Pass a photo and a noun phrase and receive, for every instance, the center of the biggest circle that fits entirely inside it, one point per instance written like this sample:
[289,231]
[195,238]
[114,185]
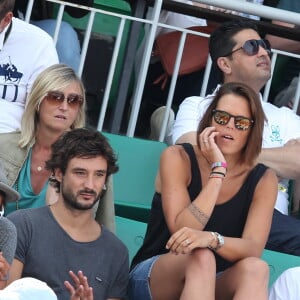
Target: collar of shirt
[3,35]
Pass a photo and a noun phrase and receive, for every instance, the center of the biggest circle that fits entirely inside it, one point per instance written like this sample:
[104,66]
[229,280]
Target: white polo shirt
[25,52]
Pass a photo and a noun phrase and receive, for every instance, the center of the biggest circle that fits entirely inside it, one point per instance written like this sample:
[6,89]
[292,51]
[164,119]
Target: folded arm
[283,160]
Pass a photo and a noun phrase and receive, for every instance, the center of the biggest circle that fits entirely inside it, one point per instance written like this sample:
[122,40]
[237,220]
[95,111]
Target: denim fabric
[285,234]
[67,46]
[139,280]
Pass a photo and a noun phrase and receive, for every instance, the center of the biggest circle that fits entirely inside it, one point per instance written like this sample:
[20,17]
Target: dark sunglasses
[57,97]
[251,47]
[223,117]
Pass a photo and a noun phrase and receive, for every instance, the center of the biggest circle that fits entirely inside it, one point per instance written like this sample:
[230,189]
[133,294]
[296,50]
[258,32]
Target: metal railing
[153,23]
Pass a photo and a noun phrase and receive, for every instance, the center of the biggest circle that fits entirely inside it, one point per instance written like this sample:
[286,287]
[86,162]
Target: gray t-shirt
[8,239]
[48,253]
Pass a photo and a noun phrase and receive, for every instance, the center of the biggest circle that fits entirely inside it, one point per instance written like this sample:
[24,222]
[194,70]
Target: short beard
[71,200]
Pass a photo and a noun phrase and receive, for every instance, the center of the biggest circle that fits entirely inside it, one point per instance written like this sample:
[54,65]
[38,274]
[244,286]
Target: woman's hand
[4,267]
[209,148]
[186,239]
[81,289]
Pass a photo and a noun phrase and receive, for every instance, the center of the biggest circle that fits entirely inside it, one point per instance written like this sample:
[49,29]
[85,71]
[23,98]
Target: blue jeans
[285,234]
[139,288]
[67,46]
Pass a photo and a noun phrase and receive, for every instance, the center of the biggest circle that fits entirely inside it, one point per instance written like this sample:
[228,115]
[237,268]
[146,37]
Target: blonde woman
[55,104]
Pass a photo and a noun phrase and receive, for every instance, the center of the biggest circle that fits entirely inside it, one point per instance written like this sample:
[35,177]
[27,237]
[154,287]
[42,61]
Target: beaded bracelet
[218,173]
[216,176]
[219,164]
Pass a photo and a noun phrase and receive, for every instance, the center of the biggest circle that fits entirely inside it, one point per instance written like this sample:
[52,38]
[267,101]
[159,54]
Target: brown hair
[254,142]
[5,7]
[80,142]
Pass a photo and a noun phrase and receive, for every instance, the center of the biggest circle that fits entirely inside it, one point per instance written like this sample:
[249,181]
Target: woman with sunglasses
[55,104]
[212,210]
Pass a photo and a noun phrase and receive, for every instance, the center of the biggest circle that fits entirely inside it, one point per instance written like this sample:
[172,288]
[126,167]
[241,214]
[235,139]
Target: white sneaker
[156,122]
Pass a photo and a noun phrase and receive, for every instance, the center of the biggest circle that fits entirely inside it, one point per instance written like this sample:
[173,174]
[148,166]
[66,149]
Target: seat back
[138,161]
[131,233]
[279,262]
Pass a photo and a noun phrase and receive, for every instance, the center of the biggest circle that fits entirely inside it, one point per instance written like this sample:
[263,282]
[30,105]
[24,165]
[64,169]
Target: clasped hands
[187,239]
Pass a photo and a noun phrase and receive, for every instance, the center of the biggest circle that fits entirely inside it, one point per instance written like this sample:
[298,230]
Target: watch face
[220,240]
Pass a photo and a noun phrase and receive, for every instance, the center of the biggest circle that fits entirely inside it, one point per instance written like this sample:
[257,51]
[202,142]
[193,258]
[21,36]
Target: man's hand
[4,267]
[293,142]
[81,289]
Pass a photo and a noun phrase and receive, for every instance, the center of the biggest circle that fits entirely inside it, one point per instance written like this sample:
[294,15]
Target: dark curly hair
[80,142]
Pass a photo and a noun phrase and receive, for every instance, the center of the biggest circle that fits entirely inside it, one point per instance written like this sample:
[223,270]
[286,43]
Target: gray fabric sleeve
[105,213]
[8,239]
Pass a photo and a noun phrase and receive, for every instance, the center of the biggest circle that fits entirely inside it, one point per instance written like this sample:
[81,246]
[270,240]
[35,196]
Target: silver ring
[187,242]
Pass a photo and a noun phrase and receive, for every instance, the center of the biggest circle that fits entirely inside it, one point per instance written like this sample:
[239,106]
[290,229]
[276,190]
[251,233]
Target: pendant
[39,168]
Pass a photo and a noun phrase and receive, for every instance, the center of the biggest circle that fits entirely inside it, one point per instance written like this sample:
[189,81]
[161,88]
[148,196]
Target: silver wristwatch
[220,239]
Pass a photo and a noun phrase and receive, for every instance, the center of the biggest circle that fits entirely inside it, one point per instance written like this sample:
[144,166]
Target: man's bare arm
[284,160]
[16,270]
[189,137]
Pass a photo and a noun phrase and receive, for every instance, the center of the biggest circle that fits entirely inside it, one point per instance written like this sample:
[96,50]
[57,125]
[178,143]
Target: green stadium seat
[134,183]
[279,262]
[131,233]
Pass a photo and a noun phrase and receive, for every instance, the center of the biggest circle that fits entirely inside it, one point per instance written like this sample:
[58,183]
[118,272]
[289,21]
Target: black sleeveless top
[228,218]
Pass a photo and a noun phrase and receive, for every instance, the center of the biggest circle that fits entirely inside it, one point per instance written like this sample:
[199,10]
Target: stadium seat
[131,233]
[279,262]
[134,183]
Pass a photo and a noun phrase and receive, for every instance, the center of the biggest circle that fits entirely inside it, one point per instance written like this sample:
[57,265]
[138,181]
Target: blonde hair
[55,77]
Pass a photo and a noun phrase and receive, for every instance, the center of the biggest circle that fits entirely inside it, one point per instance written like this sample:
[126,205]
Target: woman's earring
[104,187]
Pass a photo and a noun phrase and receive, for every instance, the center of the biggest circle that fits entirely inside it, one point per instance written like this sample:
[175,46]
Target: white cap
[27,288]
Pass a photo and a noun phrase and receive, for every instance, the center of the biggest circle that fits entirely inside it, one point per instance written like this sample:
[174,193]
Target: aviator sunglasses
[223,117]
[251,47]
[57,97]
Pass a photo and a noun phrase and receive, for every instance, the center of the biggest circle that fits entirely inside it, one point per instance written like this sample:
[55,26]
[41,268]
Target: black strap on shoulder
[191,153]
